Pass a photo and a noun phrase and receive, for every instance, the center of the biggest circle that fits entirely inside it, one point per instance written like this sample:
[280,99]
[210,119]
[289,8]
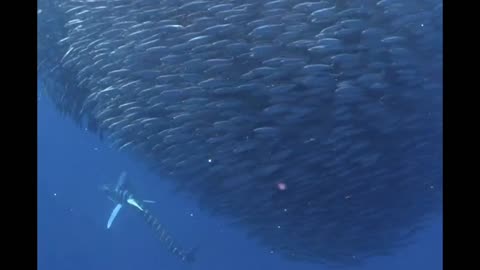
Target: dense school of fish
[314,125]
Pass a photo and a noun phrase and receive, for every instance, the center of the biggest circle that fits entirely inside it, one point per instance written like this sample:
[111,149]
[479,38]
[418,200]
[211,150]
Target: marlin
[122,196]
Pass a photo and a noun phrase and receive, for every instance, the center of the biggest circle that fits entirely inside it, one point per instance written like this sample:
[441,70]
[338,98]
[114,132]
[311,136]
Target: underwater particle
[39,11]
[278,227]
[96,148]
[209,160]
[191,214]
[309,140]
[281,186]
[285,209]
[54,194]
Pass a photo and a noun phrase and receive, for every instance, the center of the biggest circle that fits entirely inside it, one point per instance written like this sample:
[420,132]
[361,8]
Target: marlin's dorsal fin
[122,181]
[113,215]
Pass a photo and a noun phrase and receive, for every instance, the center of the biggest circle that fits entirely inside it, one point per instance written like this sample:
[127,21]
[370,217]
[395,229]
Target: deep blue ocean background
[73,213]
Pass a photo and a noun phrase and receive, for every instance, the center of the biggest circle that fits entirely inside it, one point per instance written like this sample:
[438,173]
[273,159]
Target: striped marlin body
[122,196]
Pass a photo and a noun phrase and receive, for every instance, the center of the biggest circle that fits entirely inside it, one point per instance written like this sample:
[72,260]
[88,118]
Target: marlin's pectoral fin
[149,201]
[113,215]
[134,203]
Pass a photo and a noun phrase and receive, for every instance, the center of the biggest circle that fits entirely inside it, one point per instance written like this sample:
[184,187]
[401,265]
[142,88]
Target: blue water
[73,213]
